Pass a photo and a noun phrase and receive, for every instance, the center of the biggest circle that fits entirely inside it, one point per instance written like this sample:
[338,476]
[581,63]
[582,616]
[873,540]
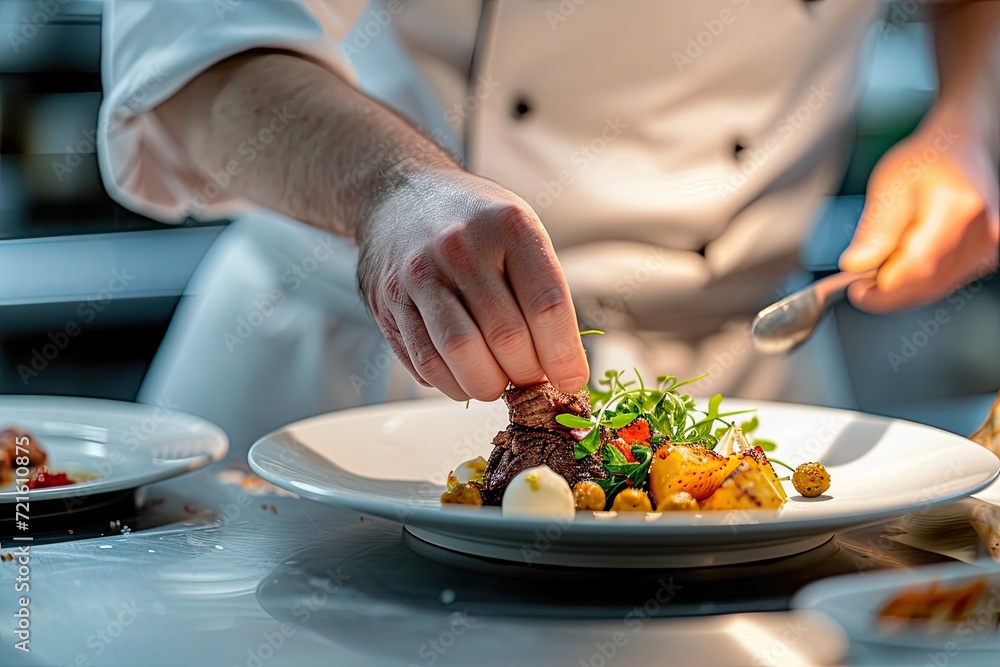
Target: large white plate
[123,445]
[392,460]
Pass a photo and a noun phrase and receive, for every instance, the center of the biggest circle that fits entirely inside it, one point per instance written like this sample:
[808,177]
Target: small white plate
[392,461]
[991,493]
[854,601]
[117,445]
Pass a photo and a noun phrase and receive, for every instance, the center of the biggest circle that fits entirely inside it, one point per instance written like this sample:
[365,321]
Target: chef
[495,175]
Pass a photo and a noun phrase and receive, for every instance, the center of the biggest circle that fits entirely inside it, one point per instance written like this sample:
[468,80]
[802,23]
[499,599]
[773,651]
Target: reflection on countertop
[218,569]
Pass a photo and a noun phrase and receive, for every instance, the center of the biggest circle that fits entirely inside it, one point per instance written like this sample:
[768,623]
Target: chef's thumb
[889,210]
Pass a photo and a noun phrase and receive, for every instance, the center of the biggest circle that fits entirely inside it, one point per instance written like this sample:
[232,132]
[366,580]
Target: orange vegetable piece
[690,468]
[637,431]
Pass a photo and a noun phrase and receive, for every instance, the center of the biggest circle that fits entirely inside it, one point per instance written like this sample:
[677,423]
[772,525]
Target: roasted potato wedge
[689,468]
[750,486]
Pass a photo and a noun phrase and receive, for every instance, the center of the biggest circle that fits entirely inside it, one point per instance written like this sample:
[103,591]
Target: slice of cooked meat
[537,405]
[518,448]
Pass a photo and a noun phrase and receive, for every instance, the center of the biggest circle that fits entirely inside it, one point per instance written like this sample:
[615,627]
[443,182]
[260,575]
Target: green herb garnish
[623,473]
[671,414]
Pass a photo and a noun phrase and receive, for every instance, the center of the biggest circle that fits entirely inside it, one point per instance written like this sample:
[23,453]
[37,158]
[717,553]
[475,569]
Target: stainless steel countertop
[212,572]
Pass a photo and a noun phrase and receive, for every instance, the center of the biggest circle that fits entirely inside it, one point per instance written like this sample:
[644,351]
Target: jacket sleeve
[152,48]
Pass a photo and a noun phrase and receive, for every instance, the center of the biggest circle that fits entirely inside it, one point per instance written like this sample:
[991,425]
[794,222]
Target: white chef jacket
[675,152]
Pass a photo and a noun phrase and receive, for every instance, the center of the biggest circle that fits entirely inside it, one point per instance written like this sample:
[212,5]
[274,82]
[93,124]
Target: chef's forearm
[332,151]
[967,42]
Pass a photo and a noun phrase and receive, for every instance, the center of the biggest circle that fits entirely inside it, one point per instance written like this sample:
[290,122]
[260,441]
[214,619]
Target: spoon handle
[784,325]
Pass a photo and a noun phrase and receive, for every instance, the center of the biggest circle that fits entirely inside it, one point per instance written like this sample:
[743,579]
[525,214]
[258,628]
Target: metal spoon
[783,326]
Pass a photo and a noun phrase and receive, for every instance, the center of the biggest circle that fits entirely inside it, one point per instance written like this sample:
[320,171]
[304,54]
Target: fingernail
[857,258]
[572,385]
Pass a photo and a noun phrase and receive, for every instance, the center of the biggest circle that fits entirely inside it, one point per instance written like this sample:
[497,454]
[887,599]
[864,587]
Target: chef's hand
[930,223]
[458,271]
[464,283]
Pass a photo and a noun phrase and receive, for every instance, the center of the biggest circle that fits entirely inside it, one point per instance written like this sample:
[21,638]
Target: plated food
[939,607]
[948,607]
[625,447]
[19,450]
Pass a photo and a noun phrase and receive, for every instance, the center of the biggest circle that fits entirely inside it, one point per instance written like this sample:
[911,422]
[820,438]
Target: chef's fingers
[543,296]
[488,299]
[889,209]
[951,243]
[425,361]
[457,343]
[390,329]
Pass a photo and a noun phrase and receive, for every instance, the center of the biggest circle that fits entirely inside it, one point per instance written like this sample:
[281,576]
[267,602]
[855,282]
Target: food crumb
[6,558]
[263,506]
[274,510]
[361,519]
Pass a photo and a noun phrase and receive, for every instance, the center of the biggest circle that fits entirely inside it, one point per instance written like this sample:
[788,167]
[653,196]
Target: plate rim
[217,437]
[426,517]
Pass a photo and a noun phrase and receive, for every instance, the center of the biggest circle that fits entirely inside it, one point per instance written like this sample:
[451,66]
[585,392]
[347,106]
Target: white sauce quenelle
[538,492]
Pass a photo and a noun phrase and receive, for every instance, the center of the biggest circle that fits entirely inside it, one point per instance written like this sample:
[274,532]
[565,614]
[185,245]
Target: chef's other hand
[930,222]
[464,283]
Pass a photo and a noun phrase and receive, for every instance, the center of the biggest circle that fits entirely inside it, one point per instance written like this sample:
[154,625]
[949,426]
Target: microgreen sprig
[669,412]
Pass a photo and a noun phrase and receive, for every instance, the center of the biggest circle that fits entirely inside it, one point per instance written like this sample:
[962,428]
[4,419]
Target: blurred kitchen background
[66,248]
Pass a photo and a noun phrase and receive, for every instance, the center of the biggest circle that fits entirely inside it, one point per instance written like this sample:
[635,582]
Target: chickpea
[632,500]
[681,501]
[589,495]
[811,479]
